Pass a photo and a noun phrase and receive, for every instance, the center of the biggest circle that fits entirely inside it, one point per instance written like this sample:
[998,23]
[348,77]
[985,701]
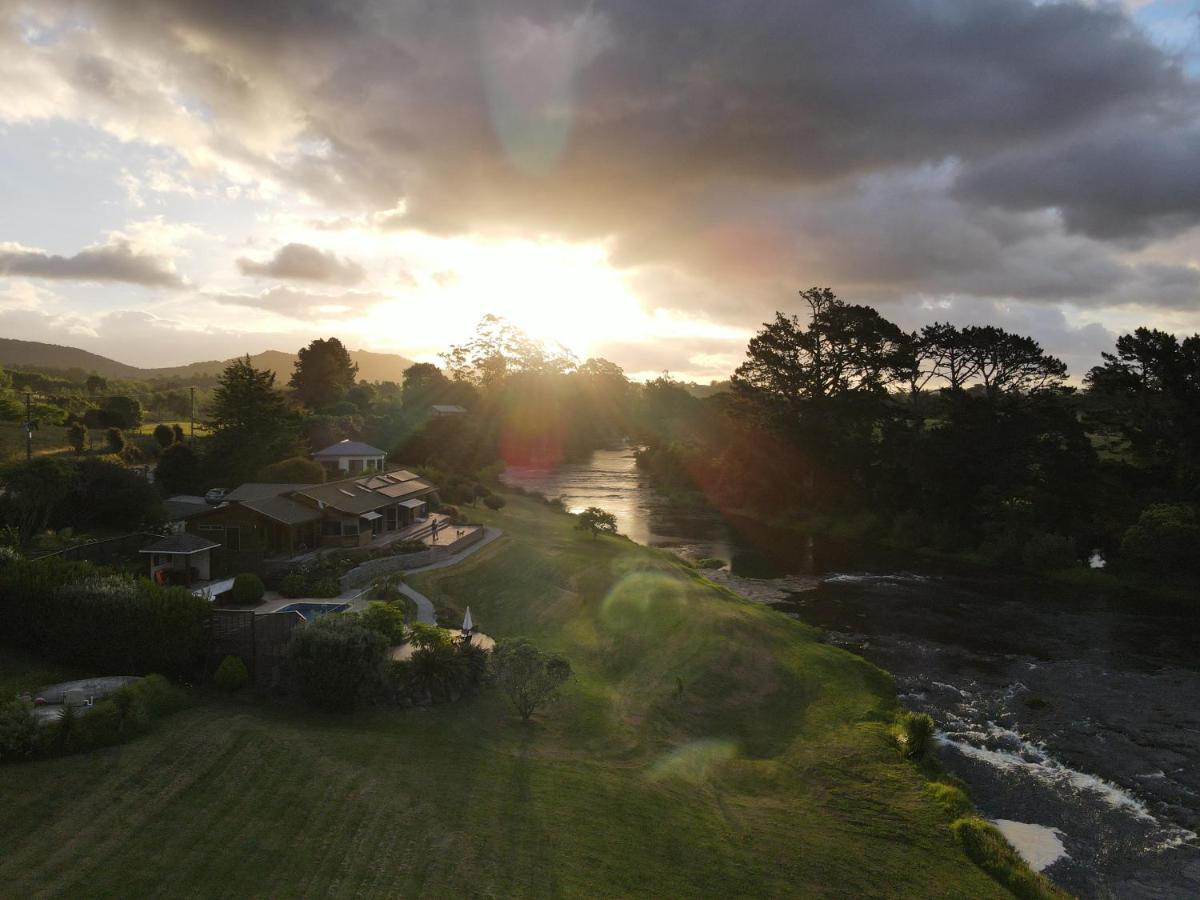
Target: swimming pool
[311,611]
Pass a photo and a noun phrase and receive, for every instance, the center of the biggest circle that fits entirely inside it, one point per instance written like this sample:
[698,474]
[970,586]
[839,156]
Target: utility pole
[192,418]
[28,426]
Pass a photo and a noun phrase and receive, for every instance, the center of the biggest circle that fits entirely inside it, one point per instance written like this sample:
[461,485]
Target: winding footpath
[424,605]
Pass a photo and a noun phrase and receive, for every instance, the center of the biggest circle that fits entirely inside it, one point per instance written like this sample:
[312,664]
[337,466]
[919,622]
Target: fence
[260,639]
[374,568]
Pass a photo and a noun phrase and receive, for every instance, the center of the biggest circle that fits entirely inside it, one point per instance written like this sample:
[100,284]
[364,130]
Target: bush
[232,674]
[1163,541]
[164,435]
[710,562]
[597,521]
[8,556]
[337,662]
[293,585]
[494,502]
[19,736]
[247,590]
[425,635]
[914,733]
[297,470]
[115,440]
[989,850]
[77,437]
[158,696]
[385,619]
[953,800]
[324,588]
[76,613]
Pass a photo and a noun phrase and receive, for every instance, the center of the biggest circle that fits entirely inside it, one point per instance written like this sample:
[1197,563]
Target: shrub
[710,562]
[164,435]
[296,470]
[324,588]
[77,613]
[425,635]
[19,736]
[8,556]
[494,502]
[232,674]
[115,440]
[529,677]
[293,585]
[989,850]
[914,733]
[386,619]
[387,588]
[597,521]
[158,696]
[247,590]
[409,547]
[77,437]
[337,662]
[1163,541]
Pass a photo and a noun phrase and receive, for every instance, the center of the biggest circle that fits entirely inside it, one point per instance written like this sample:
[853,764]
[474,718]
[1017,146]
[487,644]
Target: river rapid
[1075,721]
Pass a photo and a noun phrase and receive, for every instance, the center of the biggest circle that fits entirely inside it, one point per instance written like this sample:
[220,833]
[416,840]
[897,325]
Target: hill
[706,746]
[34,354]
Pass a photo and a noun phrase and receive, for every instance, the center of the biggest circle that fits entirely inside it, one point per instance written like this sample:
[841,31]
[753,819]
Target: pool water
[312,611]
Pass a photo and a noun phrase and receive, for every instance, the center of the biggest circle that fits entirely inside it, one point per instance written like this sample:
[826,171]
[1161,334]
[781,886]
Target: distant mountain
[33,354]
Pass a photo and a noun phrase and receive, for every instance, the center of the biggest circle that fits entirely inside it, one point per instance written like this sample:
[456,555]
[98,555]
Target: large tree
[498,349]
[250,423]
[323,373]
[1014,363]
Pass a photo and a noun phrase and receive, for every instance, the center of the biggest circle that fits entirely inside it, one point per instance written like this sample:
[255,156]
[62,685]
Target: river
[1074,721]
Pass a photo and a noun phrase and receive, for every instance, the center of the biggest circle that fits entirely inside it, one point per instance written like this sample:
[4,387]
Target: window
[356,465]
[350,528]
[331,527]
[233,539]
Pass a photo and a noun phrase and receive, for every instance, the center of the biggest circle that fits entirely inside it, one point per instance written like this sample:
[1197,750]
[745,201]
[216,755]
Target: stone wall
[376,568]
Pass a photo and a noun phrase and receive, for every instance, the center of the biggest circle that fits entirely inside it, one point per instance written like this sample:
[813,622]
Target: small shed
[351,457]
[180,558]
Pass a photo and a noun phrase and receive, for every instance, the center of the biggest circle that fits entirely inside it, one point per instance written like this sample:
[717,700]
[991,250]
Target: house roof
[183,506]
[284,510]
[182,543]
[356,496]
[349,448]
[254,490]
[448,408]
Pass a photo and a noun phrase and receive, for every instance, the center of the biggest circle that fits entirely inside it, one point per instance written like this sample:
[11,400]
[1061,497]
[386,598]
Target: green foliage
[323,373]
[178,470]
[710,562]
[425,635]
[33,491]
[597,521]
[293,585]
[106,496]
[337,662]
[77,437]
[19,737]
[8,555]
[494,502]
[1164,541]
[529,677]
[297,470]
[164,435]
[438,673]
[952,799]
[250,424]
[914,733]
[988,849]
[247,590]
[76,613]
[231,674]
[386,619]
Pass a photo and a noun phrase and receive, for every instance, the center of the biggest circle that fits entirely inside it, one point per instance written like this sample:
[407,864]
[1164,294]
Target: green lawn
[706,746]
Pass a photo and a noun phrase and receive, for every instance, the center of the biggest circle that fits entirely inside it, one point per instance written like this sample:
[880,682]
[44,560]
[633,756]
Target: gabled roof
[183,506]
[349,448]
[254,490]
[281,509]
[357,496]
[182,543]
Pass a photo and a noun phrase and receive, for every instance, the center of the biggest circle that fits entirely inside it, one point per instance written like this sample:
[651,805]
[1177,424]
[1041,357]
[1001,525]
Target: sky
[648,182]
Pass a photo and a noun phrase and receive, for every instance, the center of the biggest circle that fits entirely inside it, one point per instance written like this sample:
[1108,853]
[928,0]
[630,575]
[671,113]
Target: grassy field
[706,746]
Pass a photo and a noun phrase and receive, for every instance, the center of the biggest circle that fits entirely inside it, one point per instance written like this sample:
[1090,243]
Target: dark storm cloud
[116,261]
[301,262]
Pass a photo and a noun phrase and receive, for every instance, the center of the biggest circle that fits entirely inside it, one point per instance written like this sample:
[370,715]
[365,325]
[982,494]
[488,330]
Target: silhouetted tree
[323,373]
[250,423]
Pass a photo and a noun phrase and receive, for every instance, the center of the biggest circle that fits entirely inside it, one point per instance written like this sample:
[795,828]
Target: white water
[1038,845]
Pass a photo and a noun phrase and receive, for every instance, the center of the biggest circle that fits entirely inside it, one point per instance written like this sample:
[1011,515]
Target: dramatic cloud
[987,153]
[116,261]
[300,262]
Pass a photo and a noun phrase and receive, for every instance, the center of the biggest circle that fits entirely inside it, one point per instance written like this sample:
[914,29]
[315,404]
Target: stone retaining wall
[375,568]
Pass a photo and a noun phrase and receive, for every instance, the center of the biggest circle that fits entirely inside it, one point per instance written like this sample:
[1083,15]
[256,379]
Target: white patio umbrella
[467,623]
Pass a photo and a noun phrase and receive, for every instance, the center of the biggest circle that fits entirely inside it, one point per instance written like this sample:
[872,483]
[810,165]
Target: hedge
[82,615]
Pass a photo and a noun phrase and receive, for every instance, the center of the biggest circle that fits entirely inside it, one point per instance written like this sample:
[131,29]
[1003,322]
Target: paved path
[424,605]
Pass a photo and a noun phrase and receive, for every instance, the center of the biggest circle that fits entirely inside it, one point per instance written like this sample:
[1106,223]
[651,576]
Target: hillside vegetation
[706,745]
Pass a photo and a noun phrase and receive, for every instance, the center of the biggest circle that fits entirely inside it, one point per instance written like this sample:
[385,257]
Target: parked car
[215,496]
